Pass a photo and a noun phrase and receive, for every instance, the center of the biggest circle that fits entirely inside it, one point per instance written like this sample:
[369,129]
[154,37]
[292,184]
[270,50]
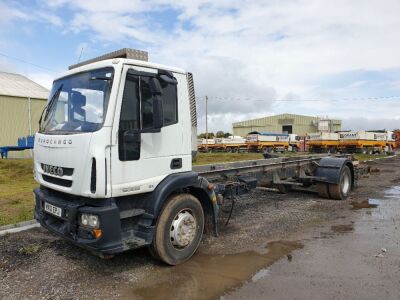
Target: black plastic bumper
[67,226]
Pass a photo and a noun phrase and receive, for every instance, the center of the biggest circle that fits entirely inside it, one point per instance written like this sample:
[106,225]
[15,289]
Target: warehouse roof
[276,117]
[20,86]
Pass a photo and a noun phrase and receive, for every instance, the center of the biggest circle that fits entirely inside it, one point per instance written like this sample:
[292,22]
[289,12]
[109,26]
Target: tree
[220,134]
[227,134]
[203,135]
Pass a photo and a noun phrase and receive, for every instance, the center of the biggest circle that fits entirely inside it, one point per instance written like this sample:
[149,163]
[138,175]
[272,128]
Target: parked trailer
[397,138]
[366,142]
[127,181]
[391,143]
[206,145]
[230,144]
[294,142]
[267,142]
[320,142]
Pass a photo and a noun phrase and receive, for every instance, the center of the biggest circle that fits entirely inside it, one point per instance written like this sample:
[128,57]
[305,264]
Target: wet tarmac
[209,276]
[349,260]
[370,203]
[356,260]
[277,246]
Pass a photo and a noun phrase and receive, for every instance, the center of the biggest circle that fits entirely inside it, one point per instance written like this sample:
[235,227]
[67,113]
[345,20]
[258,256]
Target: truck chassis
[171,219]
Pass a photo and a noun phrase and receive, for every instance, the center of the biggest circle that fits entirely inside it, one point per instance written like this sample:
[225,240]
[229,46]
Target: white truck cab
[115,129]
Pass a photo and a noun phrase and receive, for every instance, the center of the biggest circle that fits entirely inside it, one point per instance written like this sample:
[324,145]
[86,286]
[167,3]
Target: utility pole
[206,123]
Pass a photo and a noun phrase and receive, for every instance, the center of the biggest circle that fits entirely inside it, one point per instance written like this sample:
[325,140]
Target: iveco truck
[113,157]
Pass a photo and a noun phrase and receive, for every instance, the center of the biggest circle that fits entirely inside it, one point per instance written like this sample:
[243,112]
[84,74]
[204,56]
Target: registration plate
[54,210]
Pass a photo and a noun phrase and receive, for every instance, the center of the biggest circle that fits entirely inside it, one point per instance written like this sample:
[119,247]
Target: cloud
[6,66]
[240,51]
[43,79]
[360,123]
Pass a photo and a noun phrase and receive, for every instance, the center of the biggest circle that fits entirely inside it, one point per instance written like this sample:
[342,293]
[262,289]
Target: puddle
[210,276]
[370,203]
[393,192]
[342,228]
[260,274]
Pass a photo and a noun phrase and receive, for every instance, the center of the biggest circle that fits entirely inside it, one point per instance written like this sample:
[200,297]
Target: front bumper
[67,225]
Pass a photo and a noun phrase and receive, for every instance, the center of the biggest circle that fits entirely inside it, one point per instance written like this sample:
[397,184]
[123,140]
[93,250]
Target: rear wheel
[342,190]
[322,189]
[284,188]
[179,230]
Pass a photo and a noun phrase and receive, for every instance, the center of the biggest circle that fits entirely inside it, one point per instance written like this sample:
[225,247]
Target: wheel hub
[183,229]
[345,183]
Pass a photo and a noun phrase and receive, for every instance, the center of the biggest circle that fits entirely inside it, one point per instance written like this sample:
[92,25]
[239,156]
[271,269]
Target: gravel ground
[37,265]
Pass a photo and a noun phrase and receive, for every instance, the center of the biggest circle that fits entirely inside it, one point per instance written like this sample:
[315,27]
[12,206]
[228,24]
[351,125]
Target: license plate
[54,210]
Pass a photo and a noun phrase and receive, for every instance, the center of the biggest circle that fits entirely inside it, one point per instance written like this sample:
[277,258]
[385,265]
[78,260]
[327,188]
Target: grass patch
[16,186]
[211,158]
[364,157]
[29,249]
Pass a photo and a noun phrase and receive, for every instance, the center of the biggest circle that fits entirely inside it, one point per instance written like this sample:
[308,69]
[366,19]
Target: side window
[146,103]
[137,112]
[170,103]
[129,120]
[169,99]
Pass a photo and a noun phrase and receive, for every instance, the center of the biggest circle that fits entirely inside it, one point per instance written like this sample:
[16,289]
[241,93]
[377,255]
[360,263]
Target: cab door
[141,155]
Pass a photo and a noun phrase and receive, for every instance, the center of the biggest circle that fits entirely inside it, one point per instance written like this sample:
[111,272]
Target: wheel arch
[191,183]
[329,170]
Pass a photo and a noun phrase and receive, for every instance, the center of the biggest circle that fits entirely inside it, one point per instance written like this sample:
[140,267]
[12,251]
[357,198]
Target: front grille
[192,99]
[58,181]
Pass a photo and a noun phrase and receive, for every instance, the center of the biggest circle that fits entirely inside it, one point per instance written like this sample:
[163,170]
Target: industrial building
[21,104]
[287,123]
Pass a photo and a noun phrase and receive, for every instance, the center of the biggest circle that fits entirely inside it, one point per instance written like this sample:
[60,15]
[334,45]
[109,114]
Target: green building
[21,104]
[287,123]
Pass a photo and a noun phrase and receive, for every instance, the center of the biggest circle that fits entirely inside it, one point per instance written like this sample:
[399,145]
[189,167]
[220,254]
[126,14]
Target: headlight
[90,220]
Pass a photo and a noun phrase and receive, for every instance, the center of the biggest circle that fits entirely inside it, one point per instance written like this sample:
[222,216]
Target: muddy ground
[267,230]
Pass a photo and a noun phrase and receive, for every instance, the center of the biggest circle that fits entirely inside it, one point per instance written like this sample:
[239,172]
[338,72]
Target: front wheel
[179,229]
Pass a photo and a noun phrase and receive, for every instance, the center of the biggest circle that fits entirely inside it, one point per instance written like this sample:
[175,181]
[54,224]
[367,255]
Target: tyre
[179,230]
[284,188]
[322,189]
[342,190]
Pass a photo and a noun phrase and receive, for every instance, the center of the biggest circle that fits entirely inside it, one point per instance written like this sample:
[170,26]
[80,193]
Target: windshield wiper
[49,105]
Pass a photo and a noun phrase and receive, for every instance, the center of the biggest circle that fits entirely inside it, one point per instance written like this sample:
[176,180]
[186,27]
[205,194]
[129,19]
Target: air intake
[93,177]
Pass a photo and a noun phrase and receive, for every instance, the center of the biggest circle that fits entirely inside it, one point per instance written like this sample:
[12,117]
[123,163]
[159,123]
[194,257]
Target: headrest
[77,99]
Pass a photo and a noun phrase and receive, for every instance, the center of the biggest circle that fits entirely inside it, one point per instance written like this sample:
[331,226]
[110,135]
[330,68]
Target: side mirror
[158,116]
[131,137]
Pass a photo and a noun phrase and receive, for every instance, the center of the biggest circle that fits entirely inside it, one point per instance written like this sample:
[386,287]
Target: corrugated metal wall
[300,124]
[14,120]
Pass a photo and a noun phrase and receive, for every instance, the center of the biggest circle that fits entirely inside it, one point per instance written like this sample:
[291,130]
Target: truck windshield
[78,103]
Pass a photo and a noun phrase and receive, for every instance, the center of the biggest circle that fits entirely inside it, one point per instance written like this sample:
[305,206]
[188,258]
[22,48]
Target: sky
[251,58]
